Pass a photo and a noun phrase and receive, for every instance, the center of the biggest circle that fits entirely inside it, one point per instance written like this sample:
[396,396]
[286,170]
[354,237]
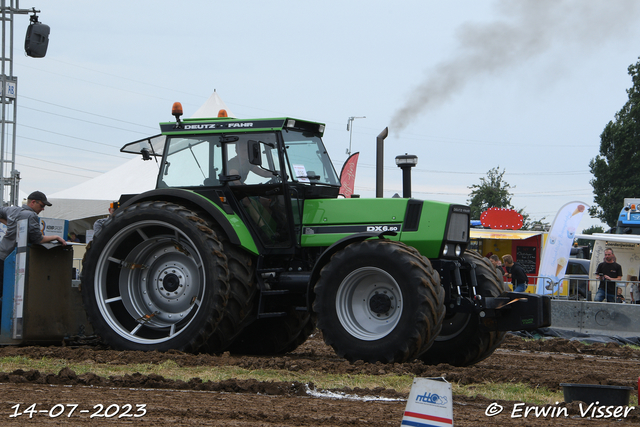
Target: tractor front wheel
[463,341]
[378,300]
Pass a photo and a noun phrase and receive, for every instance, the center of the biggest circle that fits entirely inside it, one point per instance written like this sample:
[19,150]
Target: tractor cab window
[192,161]
[308,159]
[253,159]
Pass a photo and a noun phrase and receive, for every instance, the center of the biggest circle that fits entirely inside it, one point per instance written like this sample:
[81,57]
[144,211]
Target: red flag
[348,175]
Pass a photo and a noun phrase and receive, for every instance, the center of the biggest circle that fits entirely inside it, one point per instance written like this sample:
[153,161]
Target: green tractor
[245,246]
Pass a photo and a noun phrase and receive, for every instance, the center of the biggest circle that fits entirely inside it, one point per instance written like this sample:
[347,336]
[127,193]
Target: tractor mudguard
[326,255]
[238,235]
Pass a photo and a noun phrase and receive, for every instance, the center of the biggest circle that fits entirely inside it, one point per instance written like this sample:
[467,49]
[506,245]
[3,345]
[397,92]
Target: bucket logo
[432,398]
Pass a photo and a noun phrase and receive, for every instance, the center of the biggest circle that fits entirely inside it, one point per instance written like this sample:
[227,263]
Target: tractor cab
[261,169]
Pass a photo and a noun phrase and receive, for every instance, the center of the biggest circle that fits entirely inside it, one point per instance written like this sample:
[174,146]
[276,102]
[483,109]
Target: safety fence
[582,288]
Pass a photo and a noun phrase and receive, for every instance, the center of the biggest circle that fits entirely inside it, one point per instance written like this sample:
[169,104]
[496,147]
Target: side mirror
[254,152]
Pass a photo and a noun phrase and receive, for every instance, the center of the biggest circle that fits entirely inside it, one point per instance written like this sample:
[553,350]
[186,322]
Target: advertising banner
[54,227]
[348,175]
[20,271]
[557,249]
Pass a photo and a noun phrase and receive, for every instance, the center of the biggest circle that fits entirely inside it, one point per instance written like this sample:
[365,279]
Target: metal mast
[9,176]
[350,129]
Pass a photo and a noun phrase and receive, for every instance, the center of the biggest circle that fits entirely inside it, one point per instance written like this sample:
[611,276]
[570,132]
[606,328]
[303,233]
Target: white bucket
[430,403]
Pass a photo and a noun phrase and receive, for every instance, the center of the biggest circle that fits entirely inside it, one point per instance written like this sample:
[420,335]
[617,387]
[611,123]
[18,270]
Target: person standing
[634,295]
[608,272]
[495,260]
[516,273]
[10,215]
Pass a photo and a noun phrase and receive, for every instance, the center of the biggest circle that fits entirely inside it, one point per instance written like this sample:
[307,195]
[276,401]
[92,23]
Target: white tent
[211,108]
[86,202]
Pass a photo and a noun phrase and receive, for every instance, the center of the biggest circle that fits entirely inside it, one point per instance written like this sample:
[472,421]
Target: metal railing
[578,287]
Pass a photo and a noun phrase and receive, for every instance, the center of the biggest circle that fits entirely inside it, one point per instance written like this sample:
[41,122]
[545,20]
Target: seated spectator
[100,223]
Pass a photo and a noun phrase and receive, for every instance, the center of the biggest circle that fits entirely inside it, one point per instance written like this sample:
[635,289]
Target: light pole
[36,42]
[350,129]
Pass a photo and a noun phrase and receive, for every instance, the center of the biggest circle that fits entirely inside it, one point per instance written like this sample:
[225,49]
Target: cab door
[254,174]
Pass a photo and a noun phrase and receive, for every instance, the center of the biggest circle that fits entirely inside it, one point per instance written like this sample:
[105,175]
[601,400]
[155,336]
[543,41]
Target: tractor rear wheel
[378,300]
[462,341]
[275,335]
[155,278]
[242,298]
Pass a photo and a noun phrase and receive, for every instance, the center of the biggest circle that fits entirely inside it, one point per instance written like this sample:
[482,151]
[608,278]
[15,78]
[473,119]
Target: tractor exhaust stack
[380,161]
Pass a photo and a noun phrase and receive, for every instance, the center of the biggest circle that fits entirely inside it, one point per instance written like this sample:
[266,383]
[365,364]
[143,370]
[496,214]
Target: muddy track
[538,363]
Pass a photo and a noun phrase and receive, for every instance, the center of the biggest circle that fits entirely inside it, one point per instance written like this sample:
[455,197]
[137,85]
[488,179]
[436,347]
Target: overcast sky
[465,85]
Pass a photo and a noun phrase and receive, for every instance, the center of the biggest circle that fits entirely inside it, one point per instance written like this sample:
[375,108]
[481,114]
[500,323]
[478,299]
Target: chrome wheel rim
[149,282]
[369,303]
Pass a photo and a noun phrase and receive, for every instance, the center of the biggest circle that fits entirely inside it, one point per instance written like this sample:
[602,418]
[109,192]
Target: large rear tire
[155,278]
[462,341]
[275,335]
[378,300]
[242,298]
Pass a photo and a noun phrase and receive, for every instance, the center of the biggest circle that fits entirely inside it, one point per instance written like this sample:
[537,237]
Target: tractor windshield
[308,159]
[192,161]
[199,160]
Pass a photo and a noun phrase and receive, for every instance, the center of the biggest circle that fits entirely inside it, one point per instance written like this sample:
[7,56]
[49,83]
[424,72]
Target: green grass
[170,370]
[511,391]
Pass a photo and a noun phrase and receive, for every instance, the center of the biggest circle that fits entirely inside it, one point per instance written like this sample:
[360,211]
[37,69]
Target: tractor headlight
[458,250]
[445,250]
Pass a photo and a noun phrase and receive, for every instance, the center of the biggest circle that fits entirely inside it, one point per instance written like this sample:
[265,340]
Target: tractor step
[261,303]
[270,315]
[275,292]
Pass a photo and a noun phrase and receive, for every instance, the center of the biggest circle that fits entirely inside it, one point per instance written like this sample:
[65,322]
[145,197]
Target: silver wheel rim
[369,303]
[149,282]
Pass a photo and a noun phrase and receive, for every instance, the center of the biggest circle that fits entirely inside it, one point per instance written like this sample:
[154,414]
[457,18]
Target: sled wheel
[155,278]
[462,341]
[378,300]
[275,335]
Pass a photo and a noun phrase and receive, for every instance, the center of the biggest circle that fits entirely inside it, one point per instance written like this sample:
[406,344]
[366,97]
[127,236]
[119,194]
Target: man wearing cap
[10,215]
